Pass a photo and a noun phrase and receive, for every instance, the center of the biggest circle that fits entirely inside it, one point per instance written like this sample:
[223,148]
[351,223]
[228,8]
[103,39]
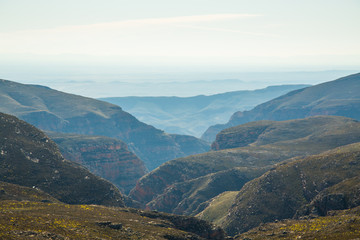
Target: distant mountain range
[52,110]
[340,97]
[193,115]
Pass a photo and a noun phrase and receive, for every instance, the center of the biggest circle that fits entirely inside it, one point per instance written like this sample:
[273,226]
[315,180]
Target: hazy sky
[95,36]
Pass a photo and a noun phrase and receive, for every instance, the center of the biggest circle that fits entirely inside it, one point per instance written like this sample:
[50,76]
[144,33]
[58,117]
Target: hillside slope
[29,158]
[342,225]
[9,191]
[318,129]
[106,157]
[199,177]
[193,115]
[281,192]
[340,97]
[52,110]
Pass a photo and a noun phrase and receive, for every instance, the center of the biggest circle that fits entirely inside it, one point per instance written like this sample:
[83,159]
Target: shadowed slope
[29,158]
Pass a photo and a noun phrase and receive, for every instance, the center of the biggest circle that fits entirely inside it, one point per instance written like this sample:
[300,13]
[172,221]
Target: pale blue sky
[117,36]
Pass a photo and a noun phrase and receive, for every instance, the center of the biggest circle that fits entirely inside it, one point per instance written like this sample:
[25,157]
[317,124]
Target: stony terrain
[342,225]
[29,158]
[9,191]
[38,220]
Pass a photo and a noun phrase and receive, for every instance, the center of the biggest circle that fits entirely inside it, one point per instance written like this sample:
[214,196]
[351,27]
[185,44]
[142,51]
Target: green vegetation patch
[218,206]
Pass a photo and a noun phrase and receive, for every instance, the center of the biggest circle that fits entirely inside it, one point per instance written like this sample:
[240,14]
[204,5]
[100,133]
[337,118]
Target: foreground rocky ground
[47,220]
[342,225]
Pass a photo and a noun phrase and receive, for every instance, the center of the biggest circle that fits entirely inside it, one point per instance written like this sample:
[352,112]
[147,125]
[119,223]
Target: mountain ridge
[53,110]
[192,115]
[340,97]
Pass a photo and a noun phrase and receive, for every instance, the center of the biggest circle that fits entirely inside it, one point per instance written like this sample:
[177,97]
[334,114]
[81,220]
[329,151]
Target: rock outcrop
[106,157]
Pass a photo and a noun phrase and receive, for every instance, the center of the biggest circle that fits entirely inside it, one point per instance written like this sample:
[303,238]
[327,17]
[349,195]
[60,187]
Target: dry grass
[36,220]
[341,225]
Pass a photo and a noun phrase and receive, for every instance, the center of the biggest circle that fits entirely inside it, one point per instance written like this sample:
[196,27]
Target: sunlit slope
[340,97]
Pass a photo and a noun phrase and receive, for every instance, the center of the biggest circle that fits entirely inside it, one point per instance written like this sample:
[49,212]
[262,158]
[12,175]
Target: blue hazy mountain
[193,115]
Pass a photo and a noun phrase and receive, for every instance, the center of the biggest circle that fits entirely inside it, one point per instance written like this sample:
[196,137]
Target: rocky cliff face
[106,157]
[29,158]
[56,111]
[339,97]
